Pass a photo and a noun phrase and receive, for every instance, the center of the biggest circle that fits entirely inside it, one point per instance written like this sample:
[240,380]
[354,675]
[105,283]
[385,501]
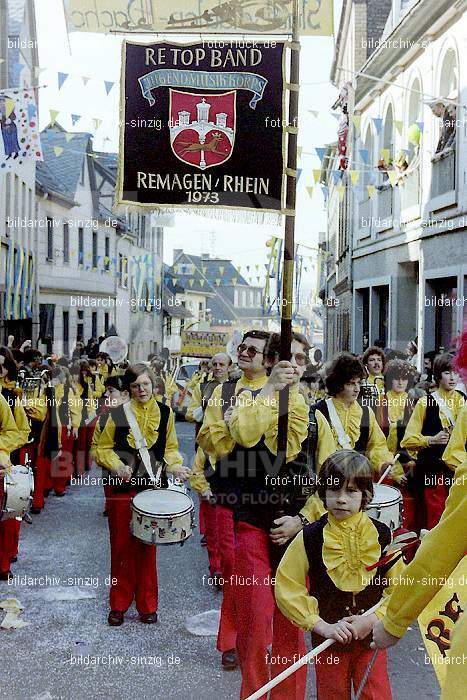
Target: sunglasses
[250,350]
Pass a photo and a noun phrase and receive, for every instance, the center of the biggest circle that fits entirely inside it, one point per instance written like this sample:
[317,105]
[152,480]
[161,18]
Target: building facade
[18,207]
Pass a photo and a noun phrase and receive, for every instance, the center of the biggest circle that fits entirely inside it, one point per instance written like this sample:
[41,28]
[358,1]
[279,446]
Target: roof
[171,308]
[60,174]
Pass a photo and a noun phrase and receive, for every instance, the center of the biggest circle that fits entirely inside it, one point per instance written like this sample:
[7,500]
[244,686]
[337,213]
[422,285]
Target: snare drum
[16,493]
[162,516]
[386,506]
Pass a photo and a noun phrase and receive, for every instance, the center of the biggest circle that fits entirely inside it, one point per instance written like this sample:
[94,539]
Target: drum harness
[141,445]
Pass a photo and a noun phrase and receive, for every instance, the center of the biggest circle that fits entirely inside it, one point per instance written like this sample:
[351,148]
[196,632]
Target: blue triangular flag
[364,155]
[325,190]
[336,176]
[378,122]
[299,172]
[75,118]
[320,152]
[108,86]
[61,79]
[421,125]
[336,115]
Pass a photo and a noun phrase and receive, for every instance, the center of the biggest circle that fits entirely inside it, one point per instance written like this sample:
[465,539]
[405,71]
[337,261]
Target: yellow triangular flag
[354,177]
[316,175]
[341,190]
[175,280]
[399,124]
[97,123]
[310,191]
[371,190]
[234,280]
[392,175]
[58,150]
[68,137]
[221,270]
[53,116]
[9,106]
[191,282]
[204,270]
[299,151]
[385,154]
[201,283]
[357,122]
[218,281]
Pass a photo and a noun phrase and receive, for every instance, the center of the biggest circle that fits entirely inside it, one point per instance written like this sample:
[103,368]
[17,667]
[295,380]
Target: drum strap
[343,438]
[140,443]
[444,408]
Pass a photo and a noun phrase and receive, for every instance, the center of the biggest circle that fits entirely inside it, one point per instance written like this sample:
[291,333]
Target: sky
[97,58]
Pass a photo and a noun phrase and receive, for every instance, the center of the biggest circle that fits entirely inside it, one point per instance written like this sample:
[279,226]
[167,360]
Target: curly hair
[340,468]
[343,368]
[399,369]
[374,350]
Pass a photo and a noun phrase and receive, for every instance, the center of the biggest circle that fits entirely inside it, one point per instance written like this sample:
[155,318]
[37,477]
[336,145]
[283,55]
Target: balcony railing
[443,174]
[410,190]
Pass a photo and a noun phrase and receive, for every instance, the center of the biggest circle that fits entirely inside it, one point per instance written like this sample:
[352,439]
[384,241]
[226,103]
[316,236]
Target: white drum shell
[162,516]
[19,489]
[386,506]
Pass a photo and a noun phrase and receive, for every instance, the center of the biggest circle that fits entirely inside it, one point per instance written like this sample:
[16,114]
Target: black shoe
[6,576]
[47,493]
[115,618]
[229,660]
[14,560]
[59,495]
[217,580]
[105,513]
[35,511]
[148,618]
[204,542]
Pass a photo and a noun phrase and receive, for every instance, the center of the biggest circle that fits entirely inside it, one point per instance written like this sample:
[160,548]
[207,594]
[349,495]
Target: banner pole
[289,237]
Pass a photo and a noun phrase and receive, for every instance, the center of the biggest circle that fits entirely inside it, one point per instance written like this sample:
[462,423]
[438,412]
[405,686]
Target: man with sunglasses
[260,530]
[215,439]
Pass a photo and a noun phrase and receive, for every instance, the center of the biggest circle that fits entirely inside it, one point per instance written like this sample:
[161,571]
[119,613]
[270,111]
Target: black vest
[130,456]
[429,459]
[362,442]
[333,603]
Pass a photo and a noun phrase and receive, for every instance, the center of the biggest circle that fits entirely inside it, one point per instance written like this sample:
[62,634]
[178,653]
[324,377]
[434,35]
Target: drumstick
[302,661]
[385,473]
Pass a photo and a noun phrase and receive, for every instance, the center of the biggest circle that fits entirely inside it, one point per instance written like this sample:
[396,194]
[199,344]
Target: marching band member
[69,408]
[201,395]
[9,441]
[134,562]
[10,528]
[82,388]
[372,386]
[215,439]
[105,366]
[428,433]
[323,584]
[455,453]
[353,426]
[157,365]
[259,532]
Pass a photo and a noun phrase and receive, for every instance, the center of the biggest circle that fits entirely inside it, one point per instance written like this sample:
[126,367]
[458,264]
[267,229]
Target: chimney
[205,256]
[177,253]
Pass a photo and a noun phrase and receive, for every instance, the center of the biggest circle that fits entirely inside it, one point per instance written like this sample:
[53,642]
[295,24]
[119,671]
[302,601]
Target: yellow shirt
[413,438]
[195,402]
[454,455]
[349,546]
[19,414]
[148,417]
[9,434]
[439,554]
[376,450]
[214,435]
[198,481]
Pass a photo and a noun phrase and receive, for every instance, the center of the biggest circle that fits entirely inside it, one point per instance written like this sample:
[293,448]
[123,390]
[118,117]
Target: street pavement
[69,652]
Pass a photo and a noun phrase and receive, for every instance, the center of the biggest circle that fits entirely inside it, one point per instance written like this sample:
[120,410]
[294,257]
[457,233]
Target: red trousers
[62,466]
[335,670]
[81,452]
[210,531]
[9,538]
[133,563]
[227,635]
[42,468]
[257,616]
[434,499]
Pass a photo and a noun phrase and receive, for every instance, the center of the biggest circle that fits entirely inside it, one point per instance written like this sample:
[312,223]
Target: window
[123,270]
[94,324]
[81,245]
[169,325]
[50,240]
[106,322]
[66,332]
[80,331]
[182,324]
[94,249]
[66,243]
[107,253]
[81,182]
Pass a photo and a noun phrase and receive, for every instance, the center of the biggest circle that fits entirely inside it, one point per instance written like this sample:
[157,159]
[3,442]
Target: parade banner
[20,141]
[441,615]
[202,127]
[203,343]
[195,16]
